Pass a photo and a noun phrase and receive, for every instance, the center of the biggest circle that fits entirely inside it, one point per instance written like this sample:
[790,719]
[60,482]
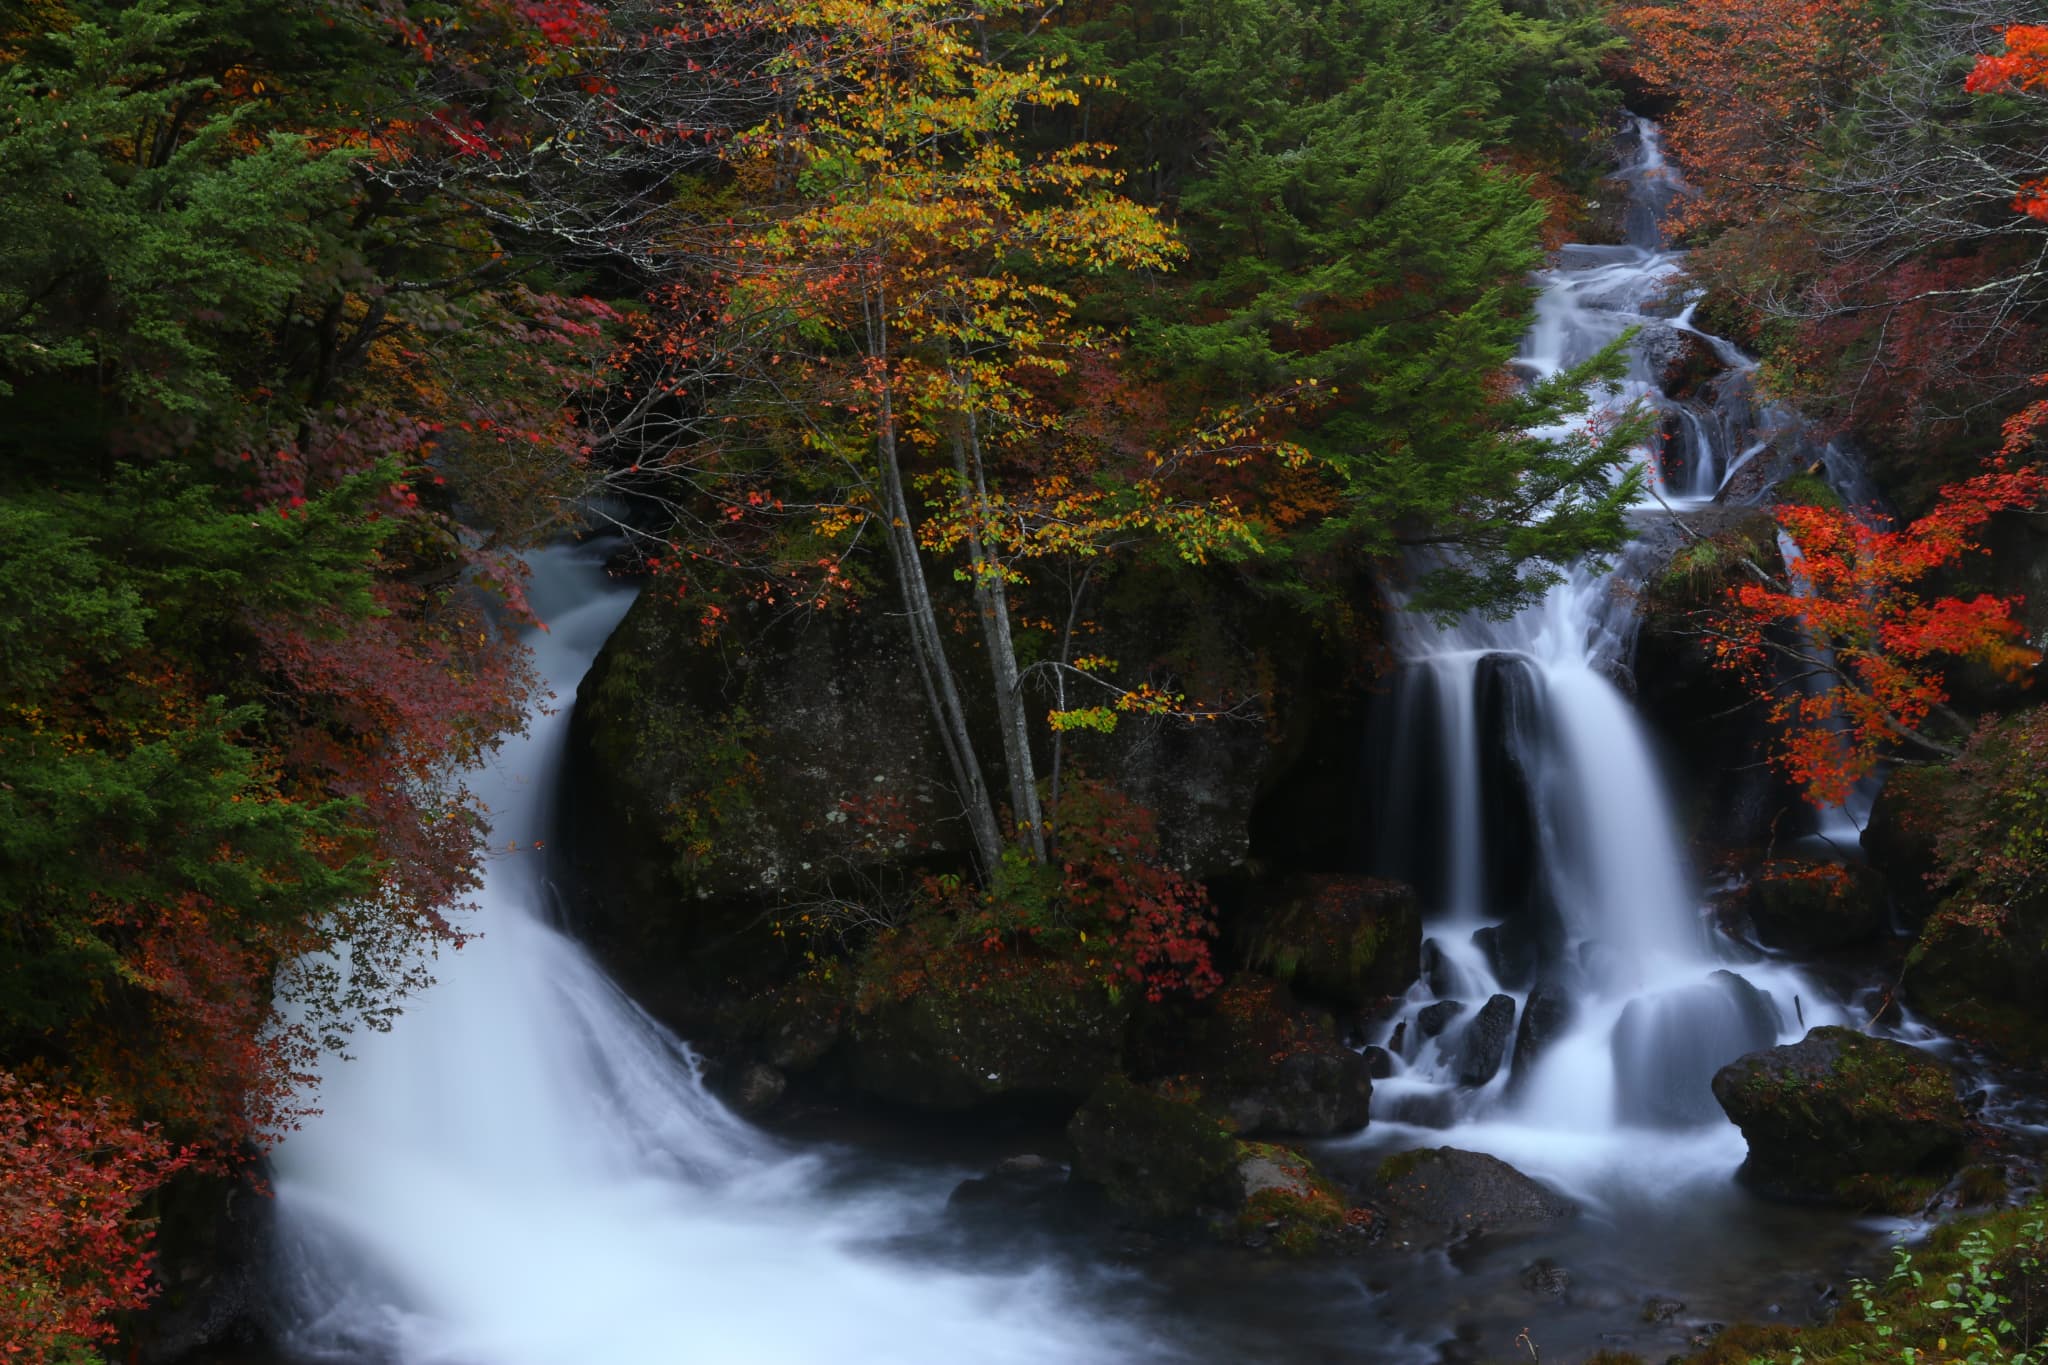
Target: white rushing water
[1524,800]
[527,1171]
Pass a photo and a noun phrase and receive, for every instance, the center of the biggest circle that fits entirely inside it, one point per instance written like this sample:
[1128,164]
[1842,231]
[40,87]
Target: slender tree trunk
[942,693]
[1059,682]
[992,603]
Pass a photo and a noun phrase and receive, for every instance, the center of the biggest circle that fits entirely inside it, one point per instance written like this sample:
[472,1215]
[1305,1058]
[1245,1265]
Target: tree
[1846,648]
[917,292]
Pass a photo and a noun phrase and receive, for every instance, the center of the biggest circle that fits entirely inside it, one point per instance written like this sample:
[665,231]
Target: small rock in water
[1379,1063]
[1546,1279]
[760,1087]
[1662,1310]
[1433,1019]
[1544,1020]
[1027,1164]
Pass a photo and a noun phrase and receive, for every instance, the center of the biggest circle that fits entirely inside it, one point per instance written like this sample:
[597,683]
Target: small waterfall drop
[1568,940]
[527,1170]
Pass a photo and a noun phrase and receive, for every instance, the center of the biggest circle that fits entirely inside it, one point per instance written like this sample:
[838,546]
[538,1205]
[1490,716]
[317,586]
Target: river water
[528,1170]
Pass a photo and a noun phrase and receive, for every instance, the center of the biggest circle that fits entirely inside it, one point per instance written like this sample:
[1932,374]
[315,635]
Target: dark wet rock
[1154,1155]
[1662,1310]
[1546,1279]
[213,1258]
[1442,1194]
[1730,794]
[1804,906]
[759,1089]
[1424,1109]
[1346,941]
[1432,1020]
[1483,1044]
[1031,1032]
[1843,1118]
[1260,1059]
[1439,973]
[1677,361]
[1379,1063]
[1668,1047]
[1512,952]
[1545,1016]
[1016,1185]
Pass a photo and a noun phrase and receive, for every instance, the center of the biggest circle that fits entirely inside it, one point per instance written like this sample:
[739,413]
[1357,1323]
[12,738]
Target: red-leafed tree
[1848,647]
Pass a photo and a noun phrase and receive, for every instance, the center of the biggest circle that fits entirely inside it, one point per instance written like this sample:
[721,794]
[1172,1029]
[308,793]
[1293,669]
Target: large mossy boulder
[1350,942]
[1804,906]
[710,780]
[1443,1194]
[1155,1154]
[1843,1118]
[967,1031]
[1261,1061]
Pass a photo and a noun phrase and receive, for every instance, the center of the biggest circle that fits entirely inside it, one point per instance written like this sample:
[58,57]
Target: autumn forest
[1022,680]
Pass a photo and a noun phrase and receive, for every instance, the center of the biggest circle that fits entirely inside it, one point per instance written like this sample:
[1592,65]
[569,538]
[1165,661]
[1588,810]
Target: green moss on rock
[1154,1154]
[1846,1119]
[1349,941]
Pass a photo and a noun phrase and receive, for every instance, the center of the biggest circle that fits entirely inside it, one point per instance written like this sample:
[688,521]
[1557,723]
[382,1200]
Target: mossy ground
[1975,1292]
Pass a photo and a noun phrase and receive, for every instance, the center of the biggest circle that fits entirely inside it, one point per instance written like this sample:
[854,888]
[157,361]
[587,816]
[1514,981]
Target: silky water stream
[527,1169]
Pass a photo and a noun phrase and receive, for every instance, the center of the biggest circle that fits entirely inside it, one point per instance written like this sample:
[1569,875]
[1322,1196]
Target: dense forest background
[315,313]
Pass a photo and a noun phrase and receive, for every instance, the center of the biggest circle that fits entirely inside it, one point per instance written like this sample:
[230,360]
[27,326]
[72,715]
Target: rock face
[1155,1156]
[1346,941]
[1031,1033]
[707,780]
[1843,1118]
[1801,906]
[1442,1194]
[1668,1048]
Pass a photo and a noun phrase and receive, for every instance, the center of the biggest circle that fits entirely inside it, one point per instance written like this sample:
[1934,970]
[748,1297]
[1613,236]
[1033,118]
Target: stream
[529,1170]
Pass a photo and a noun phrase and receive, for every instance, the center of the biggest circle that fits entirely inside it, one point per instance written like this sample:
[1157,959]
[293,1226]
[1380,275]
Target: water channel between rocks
[528,1170]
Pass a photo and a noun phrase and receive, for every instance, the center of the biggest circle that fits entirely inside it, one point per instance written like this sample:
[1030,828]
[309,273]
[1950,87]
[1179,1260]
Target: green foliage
[1337,169]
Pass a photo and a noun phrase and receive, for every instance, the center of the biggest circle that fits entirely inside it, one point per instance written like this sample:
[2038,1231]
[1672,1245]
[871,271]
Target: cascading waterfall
[527,1170]
[1575,997]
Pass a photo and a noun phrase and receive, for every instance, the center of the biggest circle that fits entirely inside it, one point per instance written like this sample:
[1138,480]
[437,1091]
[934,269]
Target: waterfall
[527,1169]
[1567,936]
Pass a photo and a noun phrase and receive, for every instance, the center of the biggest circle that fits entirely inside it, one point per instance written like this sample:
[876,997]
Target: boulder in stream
[1843,1118]
[1441,1194]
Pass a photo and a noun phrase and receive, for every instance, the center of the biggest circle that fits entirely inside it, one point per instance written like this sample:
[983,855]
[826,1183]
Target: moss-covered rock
[1843,1118]
[1801,905]
[957,1031]
[1154,1154]
[1290,1206]
[1977,969]
[1261,1061]
[1348,941]
[711,780]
